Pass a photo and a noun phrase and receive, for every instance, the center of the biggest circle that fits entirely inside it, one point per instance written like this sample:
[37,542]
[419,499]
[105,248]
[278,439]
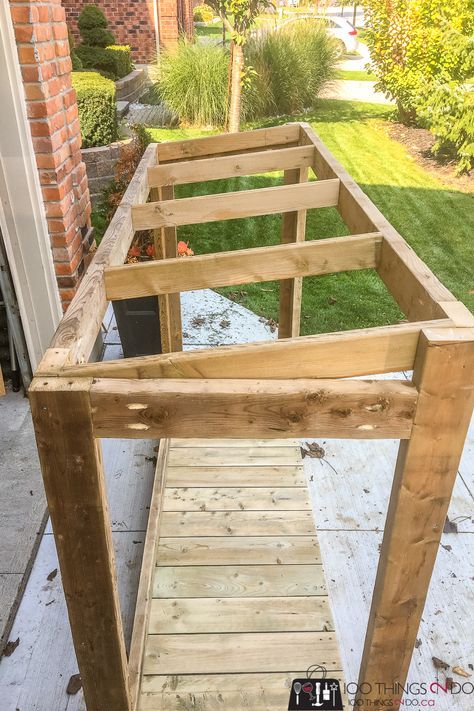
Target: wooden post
[293,230]
[424,478]
[75,489]
[170,304]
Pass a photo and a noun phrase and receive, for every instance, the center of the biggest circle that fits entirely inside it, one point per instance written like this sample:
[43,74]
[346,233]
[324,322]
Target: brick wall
[43,51]
[133,22]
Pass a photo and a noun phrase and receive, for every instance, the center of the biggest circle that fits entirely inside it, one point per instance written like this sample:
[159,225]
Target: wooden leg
[424,478]
[170,304]
[293,230]
[74,483]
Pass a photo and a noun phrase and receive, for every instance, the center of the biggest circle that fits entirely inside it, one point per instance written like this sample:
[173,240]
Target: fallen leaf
[52,575]
[461,672]
[10,647]
[314,451]
[74,684]
[418,643]
[332,300]
[449,682]
[450,526]
[439,664]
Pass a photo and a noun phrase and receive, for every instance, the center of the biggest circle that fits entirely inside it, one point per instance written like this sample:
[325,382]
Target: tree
[238,17]
[415,42]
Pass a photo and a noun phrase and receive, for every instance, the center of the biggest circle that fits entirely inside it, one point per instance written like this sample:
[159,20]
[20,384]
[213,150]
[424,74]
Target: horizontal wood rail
[243,266]
[253,408]
[229,143]
[231,206]
[230,166]
[346,354]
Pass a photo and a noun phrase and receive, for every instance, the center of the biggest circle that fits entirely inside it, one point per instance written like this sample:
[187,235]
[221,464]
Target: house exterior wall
[43,53]
[134,23]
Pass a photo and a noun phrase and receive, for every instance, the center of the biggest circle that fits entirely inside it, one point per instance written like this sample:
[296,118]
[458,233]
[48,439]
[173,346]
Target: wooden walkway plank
[237,523]
[235,499]
[232,456]
[232,476]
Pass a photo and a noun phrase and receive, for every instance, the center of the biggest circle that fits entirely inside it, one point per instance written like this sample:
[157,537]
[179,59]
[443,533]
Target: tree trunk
[236,88]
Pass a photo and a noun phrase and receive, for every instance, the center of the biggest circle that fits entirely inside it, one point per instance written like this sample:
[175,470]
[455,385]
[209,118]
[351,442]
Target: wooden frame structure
[296,386]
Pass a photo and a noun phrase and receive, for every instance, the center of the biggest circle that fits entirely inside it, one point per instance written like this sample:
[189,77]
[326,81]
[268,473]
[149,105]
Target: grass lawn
[356,75]
[436,220]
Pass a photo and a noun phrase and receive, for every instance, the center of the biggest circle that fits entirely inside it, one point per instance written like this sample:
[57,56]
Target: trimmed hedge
[203,13]
[113,62]
[92,25]
[97,37]
[97,110]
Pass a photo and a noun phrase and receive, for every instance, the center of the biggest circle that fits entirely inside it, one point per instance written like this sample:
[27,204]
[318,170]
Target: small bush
[93,27]
[288,68]
[448,110]
[97,110]
[193,82]
[203,13]
[77,65]
[113,62]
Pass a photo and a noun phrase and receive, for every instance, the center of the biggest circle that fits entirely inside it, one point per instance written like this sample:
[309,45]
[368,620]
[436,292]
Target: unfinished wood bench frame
[294,387]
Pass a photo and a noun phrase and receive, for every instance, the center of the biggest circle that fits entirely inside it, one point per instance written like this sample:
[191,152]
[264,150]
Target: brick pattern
[133,22]
[43,51]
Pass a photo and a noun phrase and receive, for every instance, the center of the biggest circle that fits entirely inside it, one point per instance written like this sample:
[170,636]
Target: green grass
[436,220]
[356,75]
[213,30]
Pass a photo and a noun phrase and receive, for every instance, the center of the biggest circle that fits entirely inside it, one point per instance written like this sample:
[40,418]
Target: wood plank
[385,349]
[417,290]
[81,324]
[220,653]
[234,456]
[271,614]
[236,523]
[227,143]
[192,171]
[144,594]
[236,476]
[422,486]
[75,488]
[359,409]
[237,499]
[225,550]
[181,443]
[293,230]
[236,205]
[243,266]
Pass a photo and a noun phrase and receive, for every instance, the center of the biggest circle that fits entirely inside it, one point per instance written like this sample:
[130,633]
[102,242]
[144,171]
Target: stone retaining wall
[101,163]
[131,87]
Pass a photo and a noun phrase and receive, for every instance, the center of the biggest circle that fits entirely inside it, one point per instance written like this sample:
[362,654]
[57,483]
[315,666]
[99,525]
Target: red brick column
[43,51]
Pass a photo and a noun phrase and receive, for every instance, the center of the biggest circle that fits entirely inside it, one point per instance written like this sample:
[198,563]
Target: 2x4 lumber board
[417,290]
[237,499]
[271,614]
[180,443]
[236,476]
[360,409]
[244,266]
[230,166]
[225,550]
[293,230]
[238,653]
[81,324]
[142,608]
[237,523]
[344,354]
[228,143]
[235,456]
[236,205]
[424,478]
[75,488]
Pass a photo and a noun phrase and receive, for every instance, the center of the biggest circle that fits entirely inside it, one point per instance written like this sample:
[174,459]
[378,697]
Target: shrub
[77,65]
[113,62]
[93,27]
[193,82]
[288,69]
[449,112]
[203,13]
[97,110]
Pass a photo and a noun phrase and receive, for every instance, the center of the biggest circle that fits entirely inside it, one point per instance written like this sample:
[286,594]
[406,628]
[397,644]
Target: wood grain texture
[193,171]
[227,143]
[237,499]
[228,550]
[247,455]
[231,653]
[243,266]
[271,614]
[231,206]
[237,523]
[236,476]
[239,408]
[424,478]
[385,349]
[74,482]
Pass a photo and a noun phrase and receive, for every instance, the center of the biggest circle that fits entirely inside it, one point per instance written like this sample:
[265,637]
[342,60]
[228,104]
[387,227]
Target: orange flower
[134,251]
[184,250]
[150,250]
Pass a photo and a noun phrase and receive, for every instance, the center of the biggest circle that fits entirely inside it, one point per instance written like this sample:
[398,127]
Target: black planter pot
[138,323]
